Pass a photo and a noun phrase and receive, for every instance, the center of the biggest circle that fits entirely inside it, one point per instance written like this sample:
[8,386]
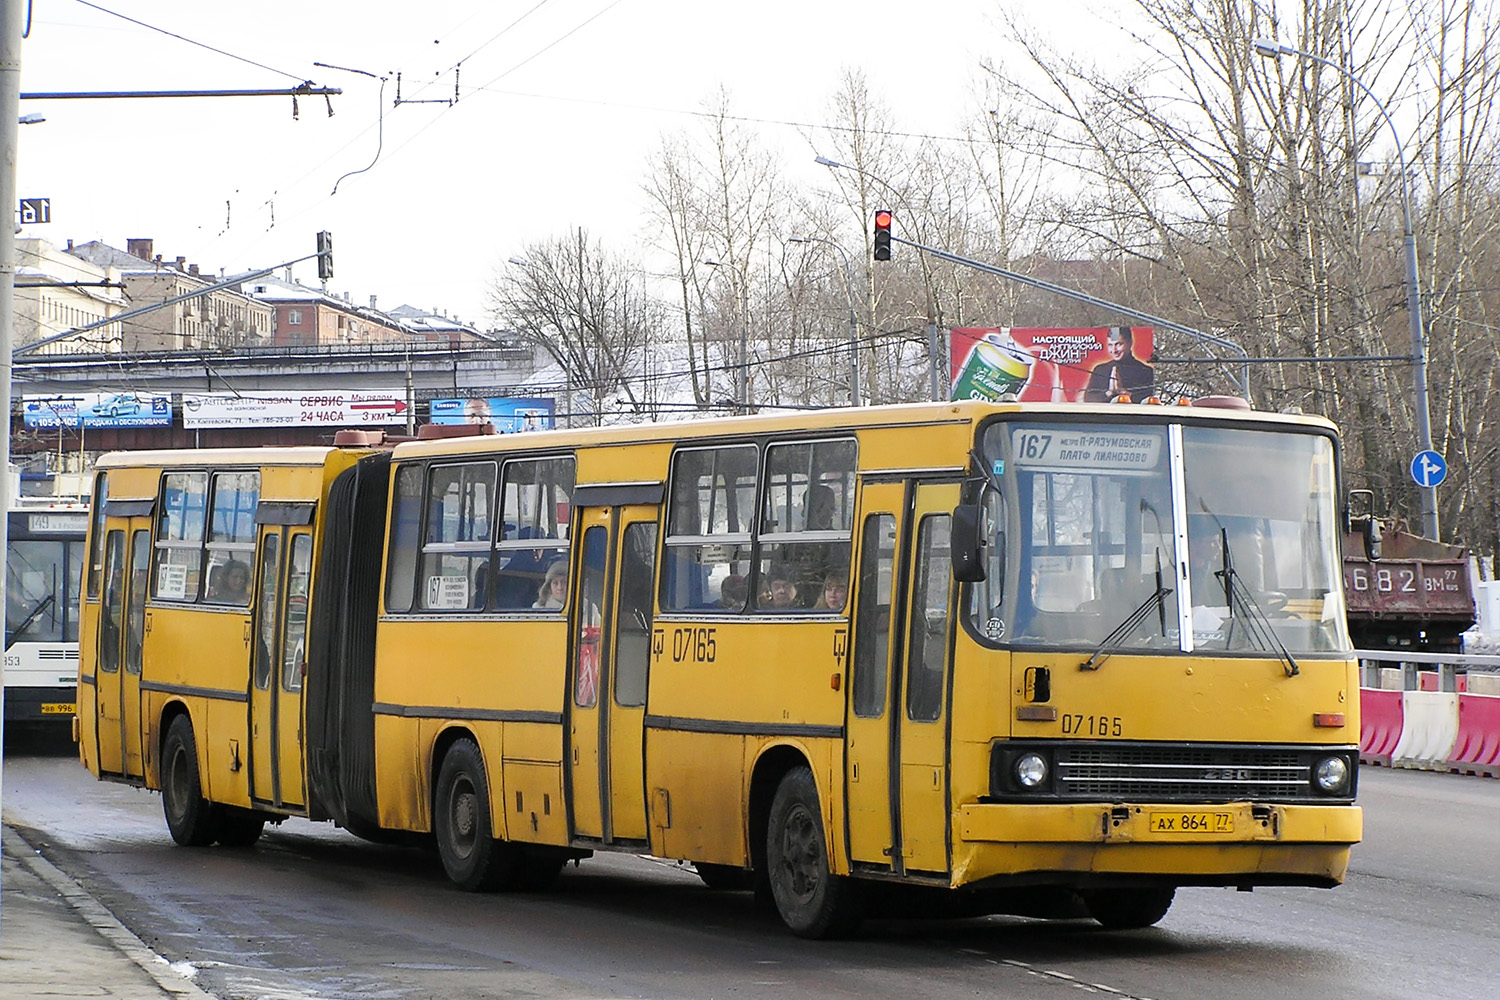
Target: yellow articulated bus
[1053,659]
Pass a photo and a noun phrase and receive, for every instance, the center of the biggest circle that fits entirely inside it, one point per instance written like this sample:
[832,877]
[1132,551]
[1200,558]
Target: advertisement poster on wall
[316,408]
[98,409]
[1048,364]
[510,416]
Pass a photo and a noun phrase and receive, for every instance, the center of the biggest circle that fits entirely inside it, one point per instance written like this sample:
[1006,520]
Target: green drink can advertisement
[1104,364]
[996,365]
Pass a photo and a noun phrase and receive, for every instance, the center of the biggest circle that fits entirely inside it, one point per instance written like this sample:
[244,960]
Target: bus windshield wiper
[20,629]
[1241,602]
[1110,643]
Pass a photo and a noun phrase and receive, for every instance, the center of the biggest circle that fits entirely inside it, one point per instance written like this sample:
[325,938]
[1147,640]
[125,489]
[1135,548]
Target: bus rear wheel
[474,860]
[1128,909]
[813,902]
[191,818]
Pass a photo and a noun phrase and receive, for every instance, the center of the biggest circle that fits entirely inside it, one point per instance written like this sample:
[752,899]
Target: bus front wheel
[813,902]
[190,817]
[473,859]
[1128,909]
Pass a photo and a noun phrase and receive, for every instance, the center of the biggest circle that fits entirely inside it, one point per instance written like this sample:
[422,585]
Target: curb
[98,916]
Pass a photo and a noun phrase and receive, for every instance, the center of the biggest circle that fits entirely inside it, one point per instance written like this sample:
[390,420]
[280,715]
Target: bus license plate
[58,708]
[1195,821]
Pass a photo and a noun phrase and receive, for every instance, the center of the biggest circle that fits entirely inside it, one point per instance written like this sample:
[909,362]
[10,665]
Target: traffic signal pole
[1242,384]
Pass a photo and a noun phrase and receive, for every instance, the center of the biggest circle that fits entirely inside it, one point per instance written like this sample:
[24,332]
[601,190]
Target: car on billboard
[121,404]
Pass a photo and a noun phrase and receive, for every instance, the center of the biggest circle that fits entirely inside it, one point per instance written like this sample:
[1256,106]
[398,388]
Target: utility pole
[10,110]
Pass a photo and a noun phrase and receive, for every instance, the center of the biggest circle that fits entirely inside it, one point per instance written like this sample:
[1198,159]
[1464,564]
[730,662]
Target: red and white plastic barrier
[1477,748]
[1380,719]
[1433,730]
[1428,731]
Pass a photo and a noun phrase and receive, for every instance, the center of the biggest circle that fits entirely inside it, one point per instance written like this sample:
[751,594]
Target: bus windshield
[1093,553]
[41,591]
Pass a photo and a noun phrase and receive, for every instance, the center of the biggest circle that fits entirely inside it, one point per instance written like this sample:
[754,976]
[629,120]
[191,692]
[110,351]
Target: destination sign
[1093,449]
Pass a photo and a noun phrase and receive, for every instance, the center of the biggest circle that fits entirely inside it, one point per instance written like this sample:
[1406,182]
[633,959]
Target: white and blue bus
[43,567]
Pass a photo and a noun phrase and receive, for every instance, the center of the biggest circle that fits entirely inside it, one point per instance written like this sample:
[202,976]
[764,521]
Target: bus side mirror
[968,543]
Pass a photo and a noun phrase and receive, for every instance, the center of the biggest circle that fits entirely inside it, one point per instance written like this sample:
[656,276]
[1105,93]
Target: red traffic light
[882,235]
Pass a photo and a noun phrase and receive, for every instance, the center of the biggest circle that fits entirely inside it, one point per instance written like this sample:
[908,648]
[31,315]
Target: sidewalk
[58,941]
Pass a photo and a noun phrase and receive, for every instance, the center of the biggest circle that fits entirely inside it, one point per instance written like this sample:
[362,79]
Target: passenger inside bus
[818,508]
[835,591]
[553,593]
[780,592]
[231,584]
[733,591]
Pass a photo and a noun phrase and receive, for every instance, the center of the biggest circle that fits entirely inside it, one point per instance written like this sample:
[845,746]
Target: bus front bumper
[1240,843]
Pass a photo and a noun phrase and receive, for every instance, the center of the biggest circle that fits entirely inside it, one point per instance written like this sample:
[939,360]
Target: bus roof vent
[1223,402]
[428,432]
[351,438]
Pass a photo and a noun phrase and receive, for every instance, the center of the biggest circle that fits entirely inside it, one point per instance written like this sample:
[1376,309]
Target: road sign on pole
[35,210]
[1428,469]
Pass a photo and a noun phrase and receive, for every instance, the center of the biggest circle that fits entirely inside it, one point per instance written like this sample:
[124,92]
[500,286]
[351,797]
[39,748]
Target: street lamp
[742,378]
[1273,50]
[934,346]
[853,322]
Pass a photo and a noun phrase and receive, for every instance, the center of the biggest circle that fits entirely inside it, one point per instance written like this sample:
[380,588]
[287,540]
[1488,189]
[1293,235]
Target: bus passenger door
[922,727]
[265,760]
[588,774]
[873,799]
[635,564]
[612,637]
[122,628]
[279,639]
[292,659]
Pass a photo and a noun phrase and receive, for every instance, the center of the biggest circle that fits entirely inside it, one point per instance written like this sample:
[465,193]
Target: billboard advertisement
[98,409]
[1045,364]
[315,408]
[508,415]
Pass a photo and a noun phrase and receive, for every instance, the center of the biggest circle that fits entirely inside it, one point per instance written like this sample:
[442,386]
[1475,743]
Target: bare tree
[587,311]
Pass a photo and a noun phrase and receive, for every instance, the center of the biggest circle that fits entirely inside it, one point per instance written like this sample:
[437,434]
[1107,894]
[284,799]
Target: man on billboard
[1123,374]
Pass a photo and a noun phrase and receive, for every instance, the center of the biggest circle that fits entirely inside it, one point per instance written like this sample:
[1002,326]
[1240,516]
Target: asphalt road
[312,912]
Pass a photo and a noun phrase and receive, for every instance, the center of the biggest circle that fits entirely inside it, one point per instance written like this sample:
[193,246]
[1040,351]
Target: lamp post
[1274,50]
[742,376]
[934,346]
[853,321]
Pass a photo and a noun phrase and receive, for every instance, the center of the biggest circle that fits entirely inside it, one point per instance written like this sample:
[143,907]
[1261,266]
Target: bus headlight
[1331,775]
[1031,770]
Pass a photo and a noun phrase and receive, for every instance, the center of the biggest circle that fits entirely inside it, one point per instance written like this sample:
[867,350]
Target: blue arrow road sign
[1428,469]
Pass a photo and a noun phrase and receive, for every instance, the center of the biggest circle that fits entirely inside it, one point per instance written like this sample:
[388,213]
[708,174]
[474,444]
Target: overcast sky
[575,96]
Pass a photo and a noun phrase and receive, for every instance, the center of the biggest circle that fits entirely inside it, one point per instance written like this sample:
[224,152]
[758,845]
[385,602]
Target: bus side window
[710,515]
[806,522]
[460,510]
[112,621]
[535,510]
[231,537]
[872,621]
[406,527]
[929,625]
[179,537]
[96,537]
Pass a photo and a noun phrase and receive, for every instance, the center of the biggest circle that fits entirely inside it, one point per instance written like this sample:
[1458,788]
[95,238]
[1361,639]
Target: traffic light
[882,235]
[325,254]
